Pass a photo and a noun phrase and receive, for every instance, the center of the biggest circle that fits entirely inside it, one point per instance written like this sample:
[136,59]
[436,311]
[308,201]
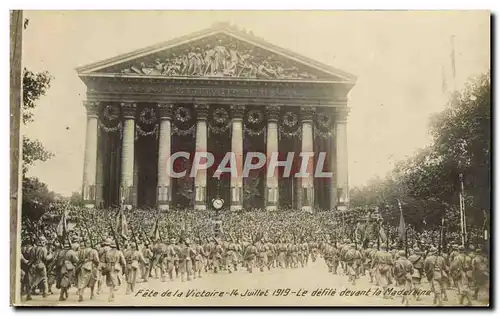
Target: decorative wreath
[324,120]
[110,112]
[148,116]
[220,116]
[290,119]
[182,114]
[255,116]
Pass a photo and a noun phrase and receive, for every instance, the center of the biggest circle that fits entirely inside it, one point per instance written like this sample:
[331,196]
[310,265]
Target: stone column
[127,185]
[272,187]
[341,159]
[237,112]
[164,188]
[333,168]
[90,160]
[200,181]
[306,193]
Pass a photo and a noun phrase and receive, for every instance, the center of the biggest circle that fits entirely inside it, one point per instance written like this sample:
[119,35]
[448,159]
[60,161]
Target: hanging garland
[218,129]
[110,112]
[288,134]
[322,134]
[253,132]
[182,114]
[112,129]
[220,116]
[290,119]
[147,116]
[184,132]
[324,121]
[323,126]
[255,116]
[220,121]
[140,132]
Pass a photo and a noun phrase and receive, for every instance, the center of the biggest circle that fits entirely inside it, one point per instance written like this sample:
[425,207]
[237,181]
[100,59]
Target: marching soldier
[87,270]
[352,261]
[115,264]
[65,264]
[101,252]
[262,257]
[383,262]
[480,272]
[39,255]
[216,255]
[417,261]
[231,259]
[147,254]
[168,258]
[403,271]
[199,259]
[185,261]
[134,259]
[250,253]
[436,270]
[459,268]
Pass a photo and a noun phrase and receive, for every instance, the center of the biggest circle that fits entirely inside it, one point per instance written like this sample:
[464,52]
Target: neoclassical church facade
[218,90]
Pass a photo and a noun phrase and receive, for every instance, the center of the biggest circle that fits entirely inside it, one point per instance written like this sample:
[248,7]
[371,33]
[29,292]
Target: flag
[402,226]
[121,225]
[62,227]
[383,236]
[155,233]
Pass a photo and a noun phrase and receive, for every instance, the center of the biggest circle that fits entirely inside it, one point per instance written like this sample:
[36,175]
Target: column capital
[92,108]
[273,112]
[341,114]
[201,111]
[307,113]
[237,111]
[128,110]
[165,110]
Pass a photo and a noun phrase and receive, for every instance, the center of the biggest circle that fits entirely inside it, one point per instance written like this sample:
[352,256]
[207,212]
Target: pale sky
[397,57]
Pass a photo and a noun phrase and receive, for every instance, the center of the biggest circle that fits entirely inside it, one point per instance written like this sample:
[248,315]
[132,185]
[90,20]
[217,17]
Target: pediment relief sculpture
[222,59]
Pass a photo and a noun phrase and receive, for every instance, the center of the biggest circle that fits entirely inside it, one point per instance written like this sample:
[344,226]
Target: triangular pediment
[219,52]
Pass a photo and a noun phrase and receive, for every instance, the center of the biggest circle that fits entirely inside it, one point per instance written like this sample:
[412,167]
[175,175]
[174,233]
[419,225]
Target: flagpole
[462,211]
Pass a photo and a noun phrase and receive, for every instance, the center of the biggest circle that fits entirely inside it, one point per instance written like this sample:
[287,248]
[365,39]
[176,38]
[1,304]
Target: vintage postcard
[250,158]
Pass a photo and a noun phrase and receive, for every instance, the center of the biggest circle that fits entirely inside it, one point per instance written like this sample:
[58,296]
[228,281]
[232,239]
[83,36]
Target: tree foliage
[37,198]
[428,182]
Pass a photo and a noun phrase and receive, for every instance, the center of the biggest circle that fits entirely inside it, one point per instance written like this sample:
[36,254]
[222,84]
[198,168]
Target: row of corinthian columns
[305,196]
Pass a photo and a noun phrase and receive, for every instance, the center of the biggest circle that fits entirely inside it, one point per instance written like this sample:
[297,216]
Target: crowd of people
[89,248]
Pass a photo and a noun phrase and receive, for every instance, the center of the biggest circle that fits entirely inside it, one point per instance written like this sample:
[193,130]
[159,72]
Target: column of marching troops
[77,263]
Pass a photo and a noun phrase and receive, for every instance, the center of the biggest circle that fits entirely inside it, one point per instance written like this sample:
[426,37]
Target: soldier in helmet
[417,260]
[199,259]
[147,253]
[403,271]
[216,255]
[231,259]
[436,271]
[459,267]
[134,259]
[480,272]
[101,252]
[39,255]
[383,262]
[185,260]
[87,269]
[352,261]
[115,263]
[169,256]
[249,256]
[65,264]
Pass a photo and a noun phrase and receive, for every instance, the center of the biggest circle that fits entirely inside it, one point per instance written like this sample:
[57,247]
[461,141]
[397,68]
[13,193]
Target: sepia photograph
[250,158]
